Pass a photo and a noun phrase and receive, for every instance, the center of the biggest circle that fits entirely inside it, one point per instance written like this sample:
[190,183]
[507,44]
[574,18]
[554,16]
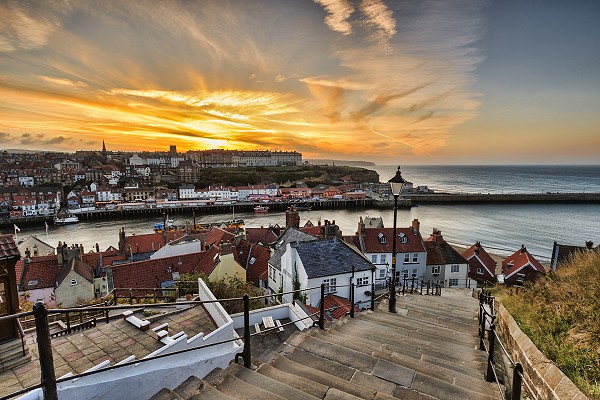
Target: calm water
[503,227]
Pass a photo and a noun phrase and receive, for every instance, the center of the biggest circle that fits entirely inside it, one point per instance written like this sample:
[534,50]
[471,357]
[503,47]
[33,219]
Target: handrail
[22,334]
[493,337]
[41,318]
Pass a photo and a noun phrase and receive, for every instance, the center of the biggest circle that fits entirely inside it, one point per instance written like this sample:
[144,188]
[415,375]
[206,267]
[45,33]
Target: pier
[405,201]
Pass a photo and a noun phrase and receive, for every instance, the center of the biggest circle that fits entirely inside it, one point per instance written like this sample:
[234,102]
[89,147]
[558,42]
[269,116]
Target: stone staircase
[11,355]
[428,350]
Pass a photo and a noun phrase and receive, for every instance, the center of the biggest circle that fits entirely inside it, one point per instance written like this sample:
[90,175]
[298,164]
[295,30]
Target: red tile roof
[8,247]
[262,235]
[40,272]
[479,258]
[314,230]
[78,266]
[150,242]
[338,305]
[107,257]
[218,235]
[439,252]
[519,260]
[375,243]
[151,273]
[254,258]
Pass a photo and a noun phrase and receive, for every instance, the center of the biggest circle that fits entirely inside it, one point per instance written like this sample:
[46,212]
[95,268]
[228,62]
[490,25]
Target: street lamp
[396,185]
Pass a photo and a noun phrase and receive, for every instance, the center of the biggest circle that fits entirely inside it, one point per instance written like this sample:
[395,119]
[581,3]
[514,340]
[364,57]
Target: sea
[501,228]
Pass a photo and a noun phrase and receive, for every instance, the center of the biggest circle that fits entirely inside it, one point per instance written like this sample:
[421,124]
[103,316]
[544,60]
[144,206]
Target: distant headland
[344,163]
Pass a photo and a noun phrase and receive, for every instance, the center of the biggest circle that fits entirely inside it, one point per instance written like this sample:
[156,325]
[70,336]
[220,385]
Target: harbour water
[500,227]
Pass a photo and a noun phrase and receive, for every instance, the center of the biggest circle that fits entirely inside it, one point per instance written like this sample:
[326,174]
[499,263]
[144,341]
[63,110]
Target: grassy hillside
[310,174]
[561,314]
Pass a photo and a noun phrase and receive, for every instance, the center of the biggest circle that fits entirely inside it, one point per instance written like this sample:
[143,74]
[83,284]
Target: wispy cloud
[338,12]
[21,31]
[379,18]
[64,82]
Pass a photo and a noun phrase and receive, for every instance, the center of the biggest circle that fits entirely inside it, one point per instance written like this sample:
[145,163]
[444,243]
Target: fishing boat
[65,219]
[261,209]
[303,207]
[159,227]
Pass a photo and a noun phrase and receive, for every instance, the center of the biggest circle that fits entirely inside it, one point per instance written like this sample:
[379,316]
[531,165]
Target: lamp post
[396,185]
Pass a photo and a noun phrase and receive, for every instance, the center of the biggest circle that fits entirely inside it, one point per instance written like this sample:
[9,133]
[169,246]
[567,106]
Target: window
[330,285]
[415,258]
[402,237]
[406,258]
[381,273]
[405,273]
[252,260]
[362,281]
[374,258]
[453,282]
[435,270]
[73,282]
[480,271]
[383,258]
[414,273]
[381,237]
[454,268]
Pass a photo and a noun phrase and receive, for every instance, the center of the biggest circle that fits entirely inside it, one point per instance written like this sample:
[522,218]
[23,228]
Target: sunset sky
[410,82]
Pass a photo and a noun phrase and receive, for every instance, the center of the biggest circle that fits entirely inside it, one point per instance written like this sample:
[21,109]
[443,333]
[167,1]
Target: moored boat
[64,219]
[261,209]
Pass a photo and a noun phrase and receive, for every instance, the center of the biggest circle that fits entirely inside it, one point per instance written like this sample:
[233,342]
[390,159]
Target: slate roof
[329,257]
[439,252]
[373,222]
[151,273]
[479,258]
[42,247]
[288,236]
[519,260]
[8,247]
[371,242]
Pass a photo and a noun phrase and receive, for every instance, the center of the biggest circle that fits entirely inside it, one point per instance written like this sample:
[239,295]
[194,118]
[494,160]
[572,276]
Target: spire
[103,147]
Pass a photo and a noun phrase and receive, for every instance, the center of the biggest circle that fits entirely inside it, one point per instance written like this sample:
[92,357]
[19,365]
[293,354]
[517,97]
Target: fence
[487,325]
[413,285]
[48,383]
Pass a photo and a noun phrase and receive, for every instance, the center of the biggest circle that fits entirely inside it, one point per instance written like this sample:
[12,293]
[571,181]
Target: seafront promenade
[406,201]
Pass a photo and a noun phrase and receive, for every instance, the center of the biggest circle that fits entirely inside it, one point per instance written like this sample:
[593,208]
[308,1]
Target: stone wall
[547,381]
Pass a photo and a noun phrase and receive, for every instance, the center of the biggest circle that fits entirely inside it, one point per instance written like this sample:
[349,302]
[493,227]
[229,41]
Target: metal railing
[487,325]
[413,285]
[49,382]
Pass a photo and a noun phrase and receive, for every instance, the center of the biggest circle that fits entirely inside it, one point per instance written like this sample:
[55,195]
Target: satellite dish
[367,292]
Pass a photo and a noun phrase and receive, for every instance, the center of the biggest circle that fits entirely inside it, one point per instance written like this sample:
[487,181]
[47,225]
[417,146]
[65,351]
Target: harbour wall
[406,201]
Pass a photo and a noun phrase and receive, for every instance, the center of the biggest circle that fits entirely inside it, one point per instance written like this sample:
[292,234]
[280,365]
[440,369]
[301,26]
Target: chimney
[27,258]
[225,248]
[361,227]
[97,248]
[589,244]
[35,250]
[416,225]
[292,218]
[523,249]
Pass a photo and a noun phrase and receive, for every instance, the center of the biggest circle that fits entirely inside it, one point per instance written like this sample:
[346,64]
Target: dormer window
[382,239]
[480,271]
[402,238]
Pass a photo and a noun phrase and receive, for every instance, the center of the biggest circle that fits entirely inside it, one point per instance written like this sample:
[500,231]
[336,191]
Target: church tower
[104,156]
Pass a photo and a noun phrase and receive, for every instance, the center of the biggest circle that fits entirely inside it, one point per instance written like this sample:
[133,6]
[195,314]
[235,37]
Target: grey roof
[288,236]
[331,257]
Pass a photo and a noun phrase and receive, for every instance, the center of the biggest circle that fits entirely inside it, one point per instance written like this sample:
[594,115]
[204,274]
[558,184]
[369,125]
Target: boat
[261,209]
[64,219]
[303,207]
[159,227]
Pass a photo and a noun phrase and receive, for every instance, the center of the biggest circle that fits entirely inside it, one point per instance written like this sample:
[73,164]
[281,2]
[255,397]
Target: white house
[26,181]
[445,265]
[256,191]
[331,262]
[290,235]
[187,192]
[377,244]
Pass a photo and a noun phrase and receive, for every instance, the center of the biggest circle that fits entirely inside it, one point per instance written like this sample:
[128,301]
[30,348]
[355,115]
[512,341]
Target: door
[7,328]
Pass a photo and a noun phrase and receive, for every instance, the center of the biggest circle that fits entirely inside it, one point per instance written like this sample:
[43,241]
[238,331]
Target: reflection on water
[501,226]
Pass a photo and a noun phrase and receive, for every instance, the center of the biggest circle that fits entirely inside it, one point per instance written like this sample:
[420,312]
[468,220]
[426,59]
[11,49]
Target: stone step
[369,346]
[436,303]
[323,378]
[350,357]
[443,390]
[192,388]
[234,387]
[166,394]
[387,334]
[264,382]
[310,387]
[442,373]
[407,322]
[16,361]
[13,351]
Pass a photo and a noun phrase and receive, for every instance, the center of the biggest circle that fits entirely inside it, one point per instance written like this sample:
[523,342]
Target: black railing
[487,325]
[414,285]
[41,315]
